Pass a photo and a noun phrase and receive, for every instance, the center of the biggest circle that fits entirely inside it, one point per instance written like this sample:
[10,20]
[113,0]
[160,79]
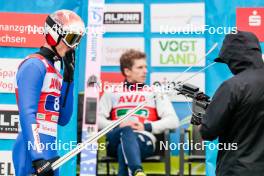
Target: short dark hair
[127,59]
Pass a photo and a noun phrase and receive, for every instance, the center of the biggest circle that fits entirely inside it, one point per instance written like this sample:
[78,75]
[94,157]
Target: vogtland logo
[184,48]
[178,51]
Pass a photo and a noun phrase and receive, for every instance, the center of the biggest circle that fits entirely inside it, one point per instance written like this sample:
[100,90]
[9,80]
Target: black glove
[69,64]
[43,167]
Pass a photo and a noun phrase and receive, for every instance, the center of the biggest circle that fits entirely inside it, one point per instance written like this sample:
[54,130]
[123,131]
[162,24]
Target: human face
[138,72]
[62,48]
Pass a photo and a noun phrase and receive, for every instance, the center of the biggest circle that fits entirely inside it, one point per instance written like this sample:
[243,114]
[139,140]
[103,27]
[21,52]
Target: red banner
[22,30]
[109,79]
[251,19]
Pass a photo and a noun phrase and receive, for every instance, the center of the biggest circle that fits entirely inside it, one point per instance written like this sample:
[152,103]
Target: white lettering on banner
[177,51]
[9,121]
[14,119]
[122,18]
[12,39]
[254,19]
[22,29]
[2,120]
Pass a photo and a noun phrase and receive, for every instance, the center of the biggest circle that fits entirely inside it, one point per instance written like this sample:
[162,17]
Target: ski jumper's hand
[43,167]
[69,63]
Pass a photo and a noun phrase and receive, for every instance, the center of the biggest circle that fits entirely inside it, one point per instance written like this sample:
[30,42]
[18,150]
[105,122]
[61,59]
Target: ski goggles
[72,39]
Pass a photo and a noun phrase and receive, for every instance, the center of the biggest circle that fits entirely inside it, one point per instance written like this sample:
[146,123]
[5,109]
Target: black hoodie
[236,112]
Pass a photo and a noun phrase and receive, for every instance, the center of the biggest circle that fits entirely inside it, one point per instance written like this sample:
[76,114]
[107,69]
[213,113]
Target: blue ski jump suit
[40,94]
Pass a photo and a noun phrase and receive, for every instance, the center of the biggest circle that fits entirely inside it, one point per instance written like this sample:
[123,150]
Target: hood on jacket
[241,51]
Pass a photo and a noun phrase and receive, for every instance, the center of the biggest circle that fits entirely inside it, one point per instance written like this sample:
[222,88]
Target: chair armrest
[167,153]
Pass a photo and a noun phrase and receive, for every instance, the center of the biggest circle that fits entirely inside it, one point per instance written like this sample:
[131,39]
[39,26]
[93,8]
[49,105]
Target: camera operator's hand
[43,167]
[69,65]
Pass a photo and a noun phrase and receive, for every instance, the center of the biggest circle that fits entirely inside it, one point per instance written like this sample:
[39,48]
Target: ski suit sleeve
[67,108]
[30,78]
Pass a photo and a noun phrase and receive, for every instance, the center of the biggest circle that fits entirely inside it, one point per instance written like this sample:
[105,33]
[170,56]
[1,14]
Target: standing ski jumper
[44,96]
[40,95]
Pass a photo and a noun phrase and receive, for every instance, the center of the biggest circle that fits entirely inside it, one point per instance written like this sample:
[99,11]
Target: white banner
[6,163]
[113,48]
[8,69]
[124,18]
[166,79]
[92,77]
[170,52]
[180,17]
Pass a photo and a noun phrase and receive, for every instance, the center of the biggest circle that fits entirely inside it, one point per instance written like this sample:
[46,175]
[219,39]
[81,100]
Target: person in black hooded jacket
[236,112]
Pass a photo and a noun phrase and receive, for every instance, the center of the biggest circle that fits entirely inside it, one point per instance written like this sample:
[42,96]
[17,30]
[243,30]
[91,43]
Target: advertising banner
[113,48]
[251,19]
[22,30]
[8,69]
[91,94]
[181,52]
[9,122]
[124,18]
[109,80]
[6,164]
[177,17]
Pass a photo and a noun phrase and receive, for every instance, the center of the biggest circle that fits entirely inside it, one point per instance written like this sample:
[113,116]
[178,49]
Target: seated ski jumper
[40,93]
[128,145]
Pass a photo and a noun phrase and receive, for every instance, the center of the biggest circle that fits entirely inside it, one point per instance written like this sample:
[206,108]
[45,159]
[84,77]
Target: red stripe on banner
[251,19]
[22,30]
